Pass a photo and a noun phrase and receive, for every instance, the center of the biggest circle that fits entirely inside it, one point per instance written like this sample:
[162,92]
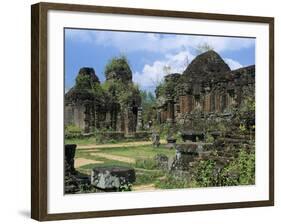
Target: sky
[147,53]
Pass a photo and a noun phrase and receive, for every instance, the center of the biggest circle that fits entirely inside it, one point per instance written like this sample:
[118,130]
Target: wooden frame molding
[39,105]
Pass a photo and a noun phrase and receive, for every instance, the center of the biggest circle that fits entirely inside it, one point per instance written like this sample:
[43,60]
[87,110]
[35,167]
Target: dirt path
[114,157]
[78,162]
[144,187]
[118,145]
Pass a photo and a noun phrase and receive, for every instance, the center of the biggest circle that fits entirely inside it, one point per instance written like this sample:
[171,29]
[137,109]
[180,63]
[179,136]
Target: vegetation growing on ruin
[121,92]
[167,87]
[120,66]
[84,82]
[241,171]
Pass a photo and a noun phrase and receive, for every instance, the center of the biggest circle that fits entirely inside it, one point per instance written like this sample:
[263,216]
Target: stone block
[192,136]
[112,178]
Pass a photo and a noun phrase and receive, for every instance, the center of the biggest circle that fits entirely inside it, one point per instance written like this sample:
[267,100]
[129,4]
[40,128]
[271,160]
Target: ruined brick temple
[206,86]
[90,107]
[212,108]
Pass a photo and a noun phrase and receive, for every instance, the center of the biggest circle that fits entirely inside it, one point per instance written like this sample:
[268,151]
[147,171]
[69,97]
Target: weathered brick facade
[207,85]
[89,111]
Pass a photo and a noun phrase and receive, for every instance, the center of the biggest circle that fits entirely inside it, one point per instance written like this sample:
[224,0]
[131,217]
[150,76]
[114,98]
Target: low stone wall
[193,136]
[188,155]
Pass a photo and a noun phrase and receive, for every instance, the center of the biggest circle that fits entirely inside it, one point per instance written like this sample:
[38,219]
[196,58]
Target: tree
[148,102]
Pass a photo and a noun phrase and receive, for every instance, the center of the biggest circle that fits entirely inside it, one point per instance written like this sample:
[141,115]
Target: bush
[87,188]
[72,131]
[143,135]
[163,129]
[109,136]
[144,177]
[148,164]
[241,171]
[125,187]
[205,173]
[172,182]
[209,138]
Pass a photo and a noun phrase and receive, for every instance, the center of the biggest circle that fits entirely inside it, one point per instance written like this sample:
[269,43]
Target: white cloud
[153,42]
[232,63]
[152,74]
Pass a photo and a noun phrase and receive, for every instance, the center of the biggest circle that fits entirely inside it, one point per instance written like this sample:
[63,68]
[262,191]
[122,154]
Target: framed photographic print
[139,111]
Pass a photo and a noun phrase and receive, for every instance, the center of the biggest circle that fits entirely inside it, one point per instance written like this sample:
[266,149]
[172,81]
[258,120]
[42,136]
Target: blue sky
[147,53]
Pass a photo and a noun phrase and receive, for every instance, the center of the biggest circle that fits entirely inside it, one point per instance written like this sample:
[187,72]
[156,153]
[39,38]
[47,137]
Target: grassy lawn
[139,152]
[81,141]
[145,172]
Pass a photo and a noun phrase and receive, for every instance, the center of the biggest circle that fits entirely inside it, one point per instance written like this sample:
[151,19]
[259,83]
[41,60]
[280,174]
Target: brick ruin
[213,109]
[207,86]
[90,108]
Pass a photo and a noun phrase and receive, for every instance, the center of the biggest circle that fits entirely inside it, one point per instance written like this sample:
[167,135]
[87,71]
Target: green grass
[170,182]
[139,152]
[144,177]
[146,172]
[106,163]
[81,141]
[92,140]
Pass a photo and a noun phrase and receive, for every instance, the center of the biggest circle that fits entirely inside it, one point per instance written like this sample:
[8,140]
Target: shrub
[205,173]
[144,177]
[72,131]
[241,171]
[172,182]
[125,187]
[87,188]
[148,164]
[109,136]
[209,138]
